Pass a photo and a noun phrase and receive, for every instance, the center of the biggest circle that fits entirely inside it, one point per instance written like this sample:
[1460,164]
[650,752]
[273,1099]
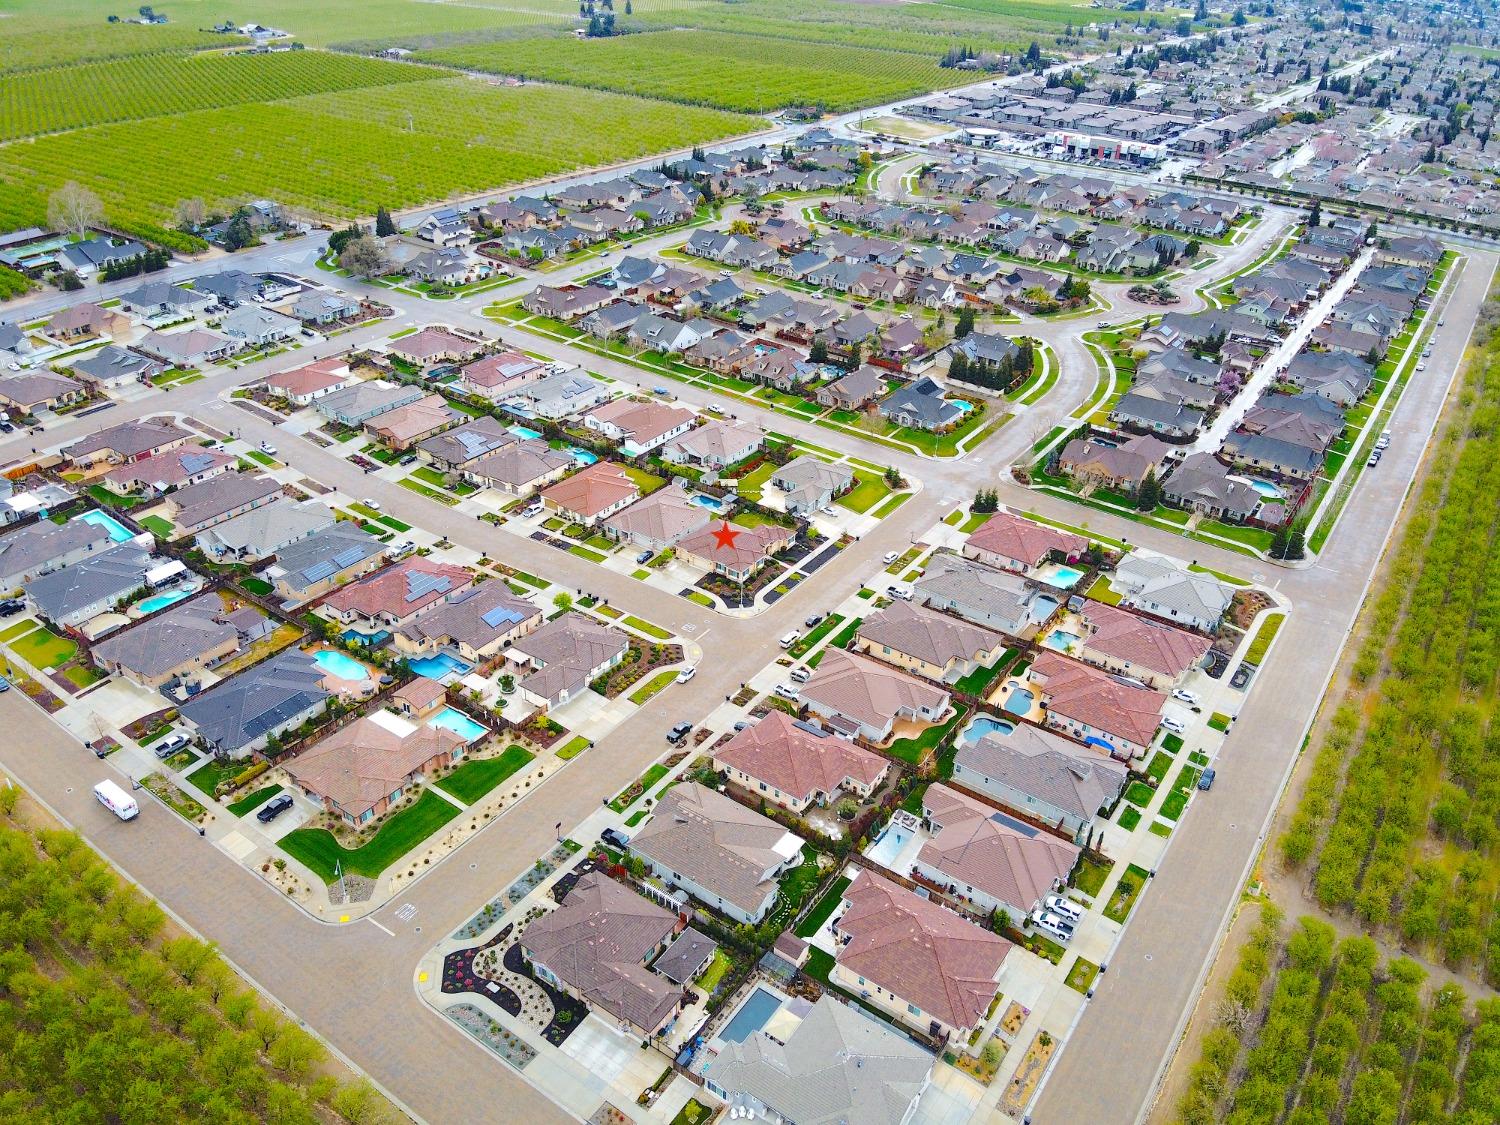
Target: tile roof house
[499,376]
[32,390]
[593,494]
[302,385]
[1128,645]
[1201,483]
[794,764]
[45,546]
[90,586]
[565,656]
[855,390]
[751,549]
[864,698]
[362,770]
[1011,543]
[987,859]
[174,645]
[931,969]
[519,469]
[265,531]
[810,484]
[1121,466]
[458,448]
[237,715]
[190,348]
[715,445]
[1095,707]
[404,426]
[84,321]
[661,520]
[1043,776]
[937,646]
[639,426]
[1165,588]
[725,855]
[128,441]
[324,561]
[996,599]
[837,1065]
[389,599]
[432,345]
[176,468]
[596,947]
[201,506]
[476,623]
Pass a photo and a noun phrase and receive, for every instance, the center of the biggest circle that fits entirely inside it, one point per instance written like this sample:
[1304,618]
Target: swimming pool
[1266,489]
[888,847]
[712,503]
[340,664]
[582,456]
[1062,577]
[161,601]
[753,1015]
[984,725]
[1061,640]
[525,432]
[1019,701]
[436,667]
[118,532]
[964,405]
[460,724]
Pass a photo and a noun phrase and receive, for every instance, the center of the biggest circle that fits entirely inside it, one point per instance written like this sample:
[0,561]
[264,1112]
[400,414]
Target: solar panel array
[419,584]
[500,615]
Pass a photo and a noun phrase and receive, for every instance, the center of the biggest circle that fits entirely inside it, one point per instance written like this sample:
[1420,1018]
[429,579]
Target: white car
[1182,695]
[1052,924]
[1176,726]
[786,691]
[686,674]
[1064,906]
[268,448]
[890,557]
[371,503]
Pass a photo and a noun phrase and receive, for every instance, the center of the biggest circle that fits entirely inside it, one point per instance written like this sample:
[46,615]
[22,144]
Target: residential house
[31,391]
[557,396]
[190,348]
[237,715]
[324,561]
[1165,588]
[265,531]
[45,546]
[162,472]
[200,506]
[304,385]
[90,586]
[113,367]
[596,946]
[387,600]
[1265,453]
[324,308]
[565,656]
[592,494]
[92,255]
[725,855]
[663,334]
[995,599]
[521,468]
[1094,464]
[1095,707]
[659,521]
[86,321]
[475,624]
[1168,416]
[229,287]
[987,860]
[921,405]
[432,345]
[639,425]
[749,548]
[458,448]
[1201,483]
[256,327]
[403,426]
[862,698]
[157,299]
[930,969]
[715,445]
[809,484]
[1011,543]
[362,770]
[496,377]
[446,227]
[357,403]
[797,765]
[1157,654]
[566,303]
[178,644]
[1043,776]
[1341,378]
[128,441]
[937,646]
[854,391]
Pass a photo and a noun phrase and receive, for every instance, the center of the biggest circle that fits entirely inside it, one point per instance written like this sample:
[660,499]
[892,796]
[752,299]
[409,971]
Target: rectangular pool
[753,1015]
[436,667]
[889,846]
[450,718]
[118,532]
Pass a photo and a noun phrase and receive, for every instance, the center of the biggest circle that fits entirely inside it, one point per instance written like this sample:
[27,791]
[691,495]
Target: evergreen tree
[958,368]
[1148,495]
[384,224]
[965,323]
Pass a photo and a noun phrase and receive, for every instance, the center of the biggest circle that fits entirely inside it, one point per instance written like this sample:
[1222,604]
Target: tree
[364,257]
[356,1103]
[964,324]
[1315,216]
[628,10]
[385,226]
[818,353]
[958,368]
[1148,495]
[563,601]
[191,213]
[239,234]
[73,209]
[341,238]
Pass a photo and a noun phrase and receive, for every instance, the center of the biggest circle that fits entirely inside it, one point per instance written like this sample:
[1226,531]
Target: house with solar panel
[374,608]
[475,625]
[324,561]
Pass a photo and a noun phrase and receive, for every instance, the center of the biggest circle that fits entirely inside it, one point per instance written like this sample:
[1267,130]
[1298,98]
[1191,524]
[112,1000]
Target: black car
[679,732]
[11,606]
[1206,780]
[274,808]
[812,620]
[614,838]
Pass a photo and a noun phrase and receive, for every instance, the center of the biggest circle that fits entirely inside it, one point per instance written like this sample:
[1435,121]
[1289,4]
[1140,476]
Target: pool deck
[998,696]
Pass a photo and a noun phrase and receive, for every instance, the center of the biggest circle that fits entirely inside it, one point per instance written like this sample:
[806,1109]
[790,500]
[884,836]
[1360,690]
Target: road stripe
[378,926]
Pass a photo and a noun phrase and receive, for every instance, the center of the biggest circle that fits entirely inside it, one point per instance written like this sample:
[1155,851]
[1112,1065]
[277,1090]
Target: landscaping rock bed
[567,1013]
[504,1043]
[459,975]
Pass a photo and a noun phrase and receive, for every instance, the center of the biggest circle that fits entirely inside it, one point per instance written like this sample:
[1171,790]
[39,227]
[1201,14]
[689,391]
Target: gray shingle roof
[109,575]
[1050,768]
[255,702]
[170,639]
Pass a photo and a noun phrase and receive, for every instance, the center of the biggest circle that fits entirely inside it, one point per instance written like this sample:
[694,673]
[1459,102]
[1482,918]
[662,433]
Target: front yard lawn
[1160,763]
[1269,627]
[633,792]
[1081,975]
[42,648]
[319,851]
[1127,890]
[206,777]
[1139,793]
[1219,721]
[1130,816]
[866,493]
[649,629]
[1091,876]
[475,778]
[254,800]
[809,642]
[574,748]
[656,683]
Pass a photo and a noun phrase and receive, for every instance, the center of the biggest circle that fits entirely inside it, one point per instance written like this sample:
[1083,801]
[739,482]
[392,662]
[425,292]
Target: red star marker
[724,536]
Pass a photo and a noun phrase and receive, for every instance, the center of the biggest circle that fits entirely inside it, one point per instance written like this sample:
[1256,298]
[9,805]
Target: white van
[789,639]
[116,800]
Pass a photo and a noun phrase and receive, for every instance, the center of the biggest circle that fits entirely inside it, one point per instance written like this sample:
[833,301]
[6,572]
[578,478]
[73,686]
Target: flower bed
[504,1043]
[640,661]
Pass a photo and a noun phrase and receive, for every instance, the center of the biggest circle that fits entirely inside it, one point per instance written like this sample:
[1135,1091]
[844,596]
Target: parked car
[1064,906]
[643,557]
[1206,780]
[615,838]
[6,427]
[171,744]
[789,639]
[1176,726]
[268,449]
[11,606]
[786,691]
[1182,695]
[4,685]
[1374,460]
[371,503]
[679,732]
[801,675]
[812,620]
[274,808]
[1052,924]
[902,592]
[890,557]
[686,674]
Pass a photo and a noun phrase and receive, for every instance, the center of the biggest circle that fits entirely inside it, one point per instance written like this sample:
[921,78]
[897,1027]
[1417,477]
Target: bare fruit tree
[73,209]
[364,257]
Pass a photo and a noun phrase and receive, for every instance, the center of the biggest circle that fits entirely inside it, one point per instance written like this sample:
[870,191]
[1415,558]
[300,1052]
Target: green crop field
[342,154]
[161,85]
[741,72]
[36,40]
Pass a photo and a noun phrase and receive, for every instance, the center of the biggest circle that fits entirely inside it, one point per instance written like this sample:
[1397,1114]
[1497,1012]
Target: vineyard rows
[1339,1037]
[739,72]
[1410,841]
[163,85]
[343,154]
[32,42]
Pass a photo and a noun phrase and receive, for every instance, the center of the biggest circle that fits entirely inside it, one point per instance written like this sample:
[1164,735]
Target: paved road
[371,1012]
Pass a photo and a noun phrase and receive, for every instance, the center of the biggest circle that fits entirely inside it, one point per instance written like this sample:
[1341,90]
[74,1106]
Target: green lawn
[42,648]
[892,504]
[254,800]
[826,906]
[656,683]
[646,482]
[1219,721]
[206,777]
[1130,816]
[751,486]
[158,527]
[574,748]
[913,750]
[649,629]
[1269,627]
[866,493]
[257,586]
[809,642]
[796,885]
[1127,890]
[1091,876]
[1081,975]
[475,778]
[1100,591]
[19,630]
[1160,763]
[648,779]
[1172,743]
[1139,793]
[319,851]
[82,675]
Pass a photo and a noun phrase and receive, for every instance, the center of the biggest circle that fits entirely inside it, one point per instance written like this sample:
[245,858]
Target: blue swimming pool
[889,846]
[1061,640]
[963,405]
[436,667]
[1019,701]
[753,1015]
[984,725]
[1266,489]
[525,432]
[161,601]
[1064,577]
[340,664]
[118,532]
[459,723]
[712,503]
[582,456]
